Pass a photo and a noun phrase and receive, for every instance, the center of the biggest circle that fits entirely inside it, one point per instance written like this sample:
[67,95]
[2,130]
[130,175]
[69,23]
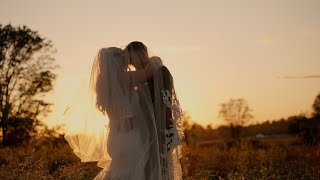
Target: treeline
[307,128]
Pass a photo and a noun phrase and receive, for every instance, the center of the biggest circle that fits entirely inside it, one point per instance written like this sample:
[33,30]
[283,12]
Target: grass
[46,161]
[221,159]
[252,159]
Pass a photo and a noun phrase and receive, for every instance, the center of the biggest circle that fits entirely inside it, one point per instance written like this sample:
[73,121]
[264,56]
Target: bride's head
[109,64]
[112,56]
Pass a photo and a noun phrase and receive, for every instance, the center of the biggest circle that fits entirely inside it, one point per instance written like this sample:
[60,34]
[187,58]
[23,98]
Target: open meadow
[250,158]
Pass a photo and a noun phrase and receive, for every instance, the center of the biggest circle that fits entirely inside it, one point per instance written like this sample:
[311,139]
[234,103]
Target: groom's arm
[141,75]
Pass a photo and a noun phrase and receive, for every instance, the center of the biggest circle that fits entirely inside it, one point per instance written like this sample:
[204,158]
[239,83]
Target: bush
[3,161]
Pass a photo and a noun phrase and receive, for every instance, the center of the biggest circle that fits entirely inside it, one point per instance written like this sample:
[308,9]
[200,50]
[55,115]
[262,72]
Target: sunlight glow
[215,50]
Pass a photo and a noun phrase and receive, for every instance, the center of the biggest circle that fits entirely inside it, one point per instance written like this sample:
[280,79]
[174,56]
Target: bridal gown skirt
[128,157]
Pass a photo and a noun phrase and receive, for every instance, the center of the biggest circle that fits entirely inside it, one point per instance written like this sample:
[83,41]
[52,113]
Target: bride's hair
[114,58]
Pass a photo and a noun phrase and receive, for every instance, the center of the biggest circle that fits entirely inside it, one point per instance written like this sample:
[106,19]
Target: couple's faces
[137,59]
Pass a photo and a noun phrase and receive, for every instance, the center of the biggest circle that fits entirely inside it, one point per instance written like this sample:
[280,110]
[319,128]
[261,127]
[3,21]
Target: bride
[130,119]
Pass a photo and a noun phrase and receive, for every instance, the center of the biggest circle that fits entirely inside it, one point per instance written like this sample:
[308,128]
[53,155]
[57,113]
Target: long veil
[167,111]
[168,117]
[122,121]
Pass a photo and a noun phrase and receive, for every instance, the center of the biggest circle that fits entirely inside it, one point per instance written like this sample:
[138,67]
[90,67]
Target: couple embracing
[132,125]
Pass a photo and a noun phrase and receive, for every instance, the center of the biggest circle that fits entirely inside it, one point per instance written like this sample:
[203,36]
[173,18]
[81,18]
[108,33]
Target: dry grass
[44,162]
[259,159]
[252,159]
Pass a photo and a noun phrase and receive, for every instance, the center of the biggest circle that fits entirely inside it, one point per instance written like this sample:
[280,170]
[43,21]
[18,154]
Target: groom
[161,77]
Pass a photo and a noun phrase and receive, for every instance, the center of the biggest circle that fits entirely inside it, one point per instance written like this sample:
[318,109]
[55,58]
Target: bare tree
[26,75]
[236,113]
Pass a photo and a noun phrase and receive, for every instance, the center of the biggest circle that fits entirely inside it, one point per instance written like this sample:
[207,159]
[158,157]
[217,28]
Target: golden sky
[267,52]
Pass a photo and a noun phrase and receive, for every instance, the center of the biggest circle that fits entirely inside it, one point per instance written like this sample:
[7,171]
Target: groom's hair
[137,46]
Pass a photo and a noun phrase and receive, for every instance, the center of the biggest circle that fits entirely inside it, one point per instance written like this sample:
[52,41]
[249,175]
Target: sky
[267,52]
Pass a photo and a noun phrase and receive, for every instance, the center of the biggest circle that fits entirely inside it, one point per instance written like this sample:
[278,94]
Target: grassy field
[269,158]
[266,158]
[45,161]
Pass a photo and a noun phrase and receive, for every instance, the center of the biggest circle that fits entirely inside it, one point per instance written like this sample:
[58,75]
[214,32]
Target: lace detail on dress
[174,134]
[173,137]
[166,96]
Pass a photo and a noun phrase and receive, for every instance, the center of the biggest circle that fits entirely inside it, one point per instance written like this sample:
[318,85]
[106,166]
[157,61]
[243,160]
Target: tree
[26,75]
[236,113]
[316,107]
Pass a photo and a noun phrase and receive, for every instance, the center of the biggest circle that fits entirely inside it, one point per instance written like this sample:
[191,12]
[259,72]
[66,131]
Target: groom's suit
[167,84]
[163,118]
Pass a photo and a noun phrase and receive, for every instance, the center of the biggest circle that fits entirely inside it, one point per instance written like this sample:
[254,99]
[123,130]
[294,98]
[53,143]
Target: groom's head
[138,54]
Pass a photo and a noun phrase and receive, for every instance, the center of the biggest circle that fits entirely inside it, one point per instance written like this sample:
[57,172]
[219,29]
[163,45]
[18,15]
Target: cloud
[268,40]
[311,32]
[314,76]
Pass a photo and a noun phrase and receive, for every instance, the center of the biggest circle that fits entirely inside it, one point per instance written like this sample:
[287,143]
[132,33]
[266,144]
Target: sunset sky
[267,52]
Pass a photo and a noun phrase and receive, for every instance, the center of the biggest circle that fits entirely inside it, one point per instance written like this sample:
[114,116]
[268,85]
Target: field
[268,158]
[249,158]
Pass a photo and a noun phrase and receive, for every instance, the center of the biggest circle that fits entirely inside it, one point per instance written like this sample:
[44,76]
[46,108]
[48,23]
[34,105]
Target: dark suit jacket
[167,84]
